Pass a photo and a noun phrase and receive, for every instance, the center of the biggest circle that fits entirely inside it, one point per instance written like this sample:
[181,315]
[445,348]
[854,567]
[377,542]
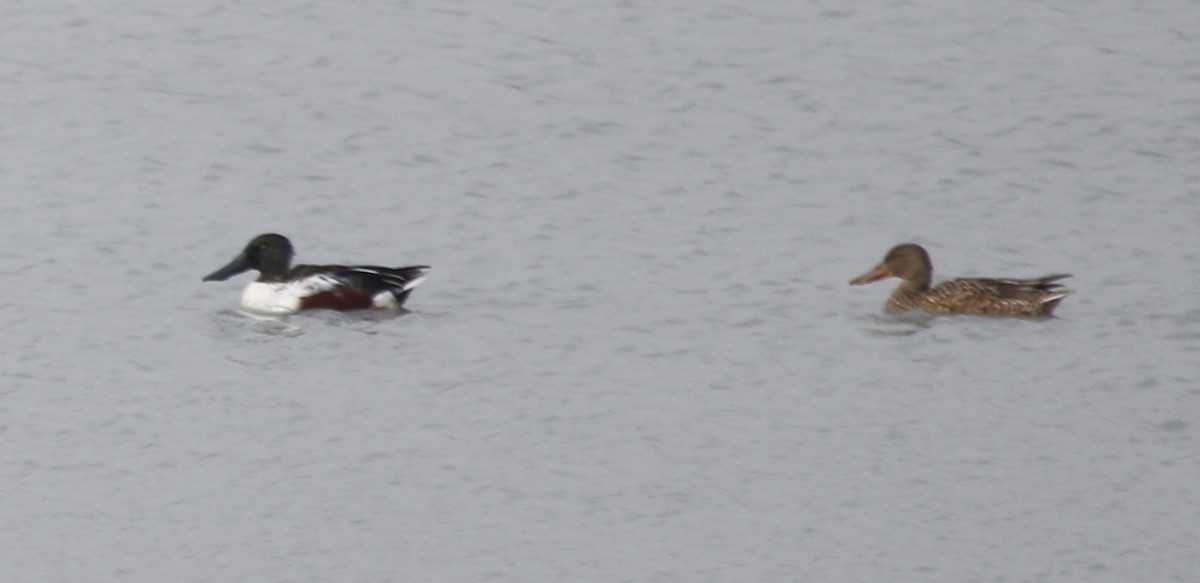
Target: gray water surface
[637,357]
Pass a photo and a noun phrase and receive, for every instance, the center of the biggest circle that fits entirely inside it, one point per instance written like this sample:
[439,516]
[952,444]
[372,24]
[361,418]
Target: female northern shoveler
[982,296]
[282,289]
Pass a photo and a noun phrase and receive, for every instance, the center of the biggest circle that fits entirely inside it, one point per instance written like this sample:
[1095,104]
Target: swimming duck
[980,296]
[283,289]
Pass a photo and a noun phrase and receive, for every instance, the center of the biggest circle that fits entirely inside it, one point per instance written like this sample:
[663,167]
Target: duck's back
[994,296]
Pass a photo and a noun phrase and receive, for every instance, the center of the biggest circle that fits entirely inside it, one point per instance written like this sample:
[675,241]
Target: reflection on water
[900,324]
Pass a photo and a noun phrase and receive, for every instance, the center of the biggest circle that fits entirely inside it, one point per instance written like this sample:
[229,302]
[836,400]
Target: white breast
[284,298]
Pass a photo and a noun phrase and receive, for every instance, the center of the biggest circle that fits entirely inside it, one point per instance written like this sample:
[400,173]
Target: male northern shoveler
[982,296]
[282,289]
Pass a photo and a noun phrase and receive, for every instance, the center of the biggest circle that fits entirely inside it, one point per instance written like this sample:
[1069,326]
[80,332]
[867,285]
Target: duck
[983,296]
[283,289]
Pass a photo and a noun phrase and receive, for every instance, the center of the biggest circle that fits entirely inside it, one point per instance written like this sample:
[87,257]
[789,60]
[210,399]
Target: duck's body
[282,289]
[980,296]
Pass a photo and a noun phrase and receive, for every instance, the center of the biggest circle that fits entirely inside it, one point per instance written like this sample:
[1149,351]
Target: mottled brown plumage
[981,296]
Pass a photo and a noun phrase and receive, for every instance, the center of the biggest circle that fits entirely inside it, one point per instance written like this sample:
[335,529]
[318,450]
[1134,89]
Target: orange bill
[876,274]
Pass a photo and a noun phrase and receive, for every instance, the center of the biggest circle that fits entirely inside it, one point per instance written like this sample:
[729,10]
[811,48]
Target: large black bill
[235,267]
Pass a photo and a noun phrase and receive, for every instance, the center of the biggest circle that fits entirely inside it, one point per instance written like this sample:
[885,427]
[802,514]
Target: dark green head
[269,254]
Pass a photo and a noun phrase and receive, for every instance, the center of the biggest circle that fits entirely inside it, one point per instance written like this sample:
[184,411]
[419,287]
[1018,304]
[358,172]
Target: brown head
[908,261]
